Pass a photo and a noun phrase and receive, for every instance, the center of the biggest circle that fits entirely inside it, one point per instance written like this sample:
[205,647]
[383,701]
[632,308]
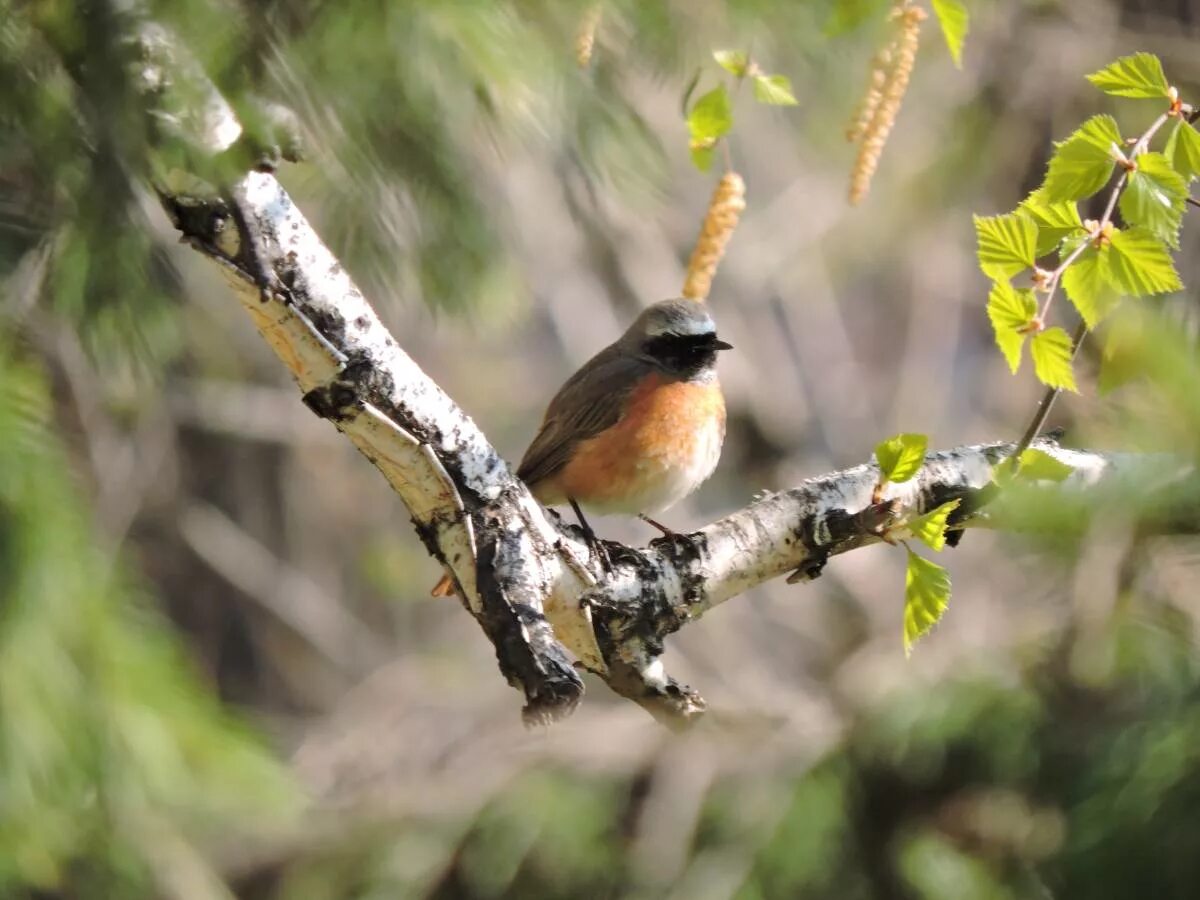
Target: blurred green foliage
[1053,784]
[402,104]
[111,750]
[72,153]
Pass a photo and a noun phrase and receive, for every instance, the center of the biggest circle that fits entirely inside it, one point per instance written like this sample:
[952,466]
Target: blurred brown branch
[279,588]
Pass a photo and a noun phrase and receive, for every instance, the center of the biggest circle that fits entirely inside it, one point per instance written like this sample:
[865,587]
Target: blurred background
[220,672]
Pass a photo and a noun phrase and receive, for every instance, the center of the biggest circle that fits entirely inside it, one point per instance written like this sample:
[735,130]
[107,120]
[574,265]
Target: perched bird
[638,427]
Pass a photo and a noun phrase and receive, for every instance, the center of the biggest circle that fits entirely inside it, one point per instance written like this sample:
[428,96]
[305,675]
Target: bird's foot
[600,552]
[670,536]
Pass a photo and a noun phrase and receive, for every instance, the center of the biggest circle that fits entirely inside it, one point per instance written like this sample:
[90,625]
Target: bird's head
[677,336]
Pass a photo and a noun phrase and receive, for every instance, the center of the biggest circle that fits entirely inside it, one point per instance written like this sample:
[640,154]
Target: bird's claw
[670,536]
[600,552]
[679,542]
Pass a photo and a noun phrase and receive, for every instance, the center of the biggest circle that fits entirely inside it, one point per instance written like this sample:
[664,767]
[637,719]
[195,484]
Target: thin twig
[1047,401]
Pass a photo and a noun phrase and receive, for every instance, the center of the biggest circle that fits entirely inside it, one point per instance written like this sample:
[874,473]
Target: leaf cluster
[926,584]
[710,118]
[1097,263]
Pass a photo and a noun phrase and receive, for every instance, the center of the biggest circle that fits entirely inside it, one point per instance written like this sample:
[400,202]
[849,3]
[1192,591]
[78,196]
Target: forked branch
[523,574]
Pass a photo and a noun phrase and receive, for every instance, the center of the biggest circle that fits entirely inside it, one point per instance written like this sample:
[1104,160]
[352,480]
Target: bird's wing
[591,401]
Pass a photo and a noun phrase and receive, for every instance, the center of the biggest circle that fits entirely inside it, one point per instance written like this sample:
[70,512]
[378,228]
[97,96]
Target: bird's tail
[444,588]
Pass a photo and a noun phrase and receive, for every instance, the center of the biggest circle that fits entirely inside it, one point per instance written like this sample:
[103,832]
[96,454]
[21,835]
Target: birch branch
[523,574]
[798,530]
[468,509]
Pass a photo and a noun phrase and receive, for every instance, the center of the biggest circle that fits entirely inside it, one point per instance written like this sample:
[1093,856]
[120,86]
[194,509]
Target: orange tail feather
[444,588]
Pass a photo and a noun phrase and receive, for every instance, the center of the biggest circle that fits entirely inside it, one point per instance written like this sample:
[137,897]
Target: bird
[637,428]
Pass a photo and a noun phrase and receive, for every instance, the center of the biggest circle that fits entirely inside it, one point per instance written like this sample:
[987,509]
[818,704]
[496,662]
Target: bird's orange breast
[666,442]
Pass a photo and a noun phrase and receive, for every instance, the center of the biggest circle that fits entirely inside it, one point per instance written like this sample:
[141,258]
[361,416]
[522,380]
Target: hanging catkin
[902,57]
[724,210]
[880,66]
[585,37]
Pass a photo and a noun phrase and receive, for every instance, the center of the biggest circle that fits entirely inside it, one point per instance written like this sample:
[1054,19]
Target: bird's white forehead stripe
[681,326]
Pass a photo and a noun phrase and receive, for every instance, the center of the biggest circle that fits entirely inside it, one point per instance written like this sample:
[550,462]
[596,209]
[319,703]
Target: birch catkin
[585,38]
[724,210]
[903,56]
[880,66]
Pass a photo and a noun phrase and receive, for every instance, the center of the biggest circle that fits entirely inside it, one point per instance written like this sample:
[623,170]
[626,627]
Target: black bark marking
[252,250]
[530,657]
[428,535]
[201,219]
[336,402]
[671,703]
[971,500]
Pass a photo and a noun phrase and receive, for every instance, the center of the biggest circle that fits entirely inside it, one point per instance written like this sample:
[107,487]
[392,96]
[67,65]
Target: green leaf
[1139,264]
[1051,352]
[1088,287]
[1010,312]
[1007,244]
[711,117]
[1122,358]
[926,596]
[901,457]
[1155,197]
[930,528]
[732,61]
[702,156]
[1083,163]
[1054,221]
[1140,76]
[952,16]
[774,90]
[1038,465]
[1183,150]
[847,15]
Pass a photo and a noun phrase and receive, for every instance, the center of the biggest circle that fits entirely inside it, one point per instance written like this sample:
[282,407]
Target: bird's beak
[721,345]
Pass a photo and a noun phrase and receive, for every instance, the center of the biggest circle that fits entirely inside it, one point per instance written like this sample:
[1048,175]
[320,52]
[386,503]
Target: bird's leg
[668,532]
[594,543]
